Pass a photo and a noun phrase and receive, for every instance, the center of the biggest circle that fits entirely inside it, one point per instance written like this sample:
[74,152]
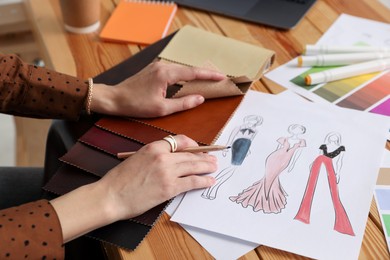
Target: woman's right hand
[154,175]
[150,177]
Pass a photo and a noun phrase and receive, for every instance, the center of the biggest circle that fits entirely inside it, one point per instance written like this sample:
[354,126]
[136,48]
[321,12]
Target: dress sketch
[331,157]
[240,140]
[267,194]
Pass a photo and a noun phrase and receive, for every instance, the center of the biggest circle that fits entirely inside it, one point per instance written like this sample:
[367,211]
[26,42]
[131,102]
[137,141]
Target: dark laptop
[284,14]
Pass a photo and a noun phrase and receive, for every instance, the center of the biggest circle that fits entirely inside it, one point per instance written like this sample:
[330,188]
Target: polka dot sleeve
[33,91]
[30,231]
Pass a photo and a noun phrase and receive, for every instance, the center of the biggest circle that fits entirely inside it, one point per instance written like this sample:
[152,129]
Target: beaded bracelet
[89,98]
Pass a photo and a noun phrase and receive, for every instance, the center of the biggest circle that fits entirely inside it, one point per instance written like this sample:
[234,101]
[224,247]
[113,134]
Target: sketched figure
[333,163]
[268,194]
[241,139]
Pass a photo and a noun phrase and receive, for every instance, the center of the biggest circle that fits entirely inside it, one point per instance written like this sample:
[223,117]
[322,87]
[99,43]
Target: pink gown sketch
[267,194]
[342,223]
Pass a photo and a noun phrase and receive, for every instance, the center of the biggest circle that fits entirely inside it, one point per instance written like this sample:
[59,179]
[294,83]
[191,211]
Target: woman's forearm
[83,210]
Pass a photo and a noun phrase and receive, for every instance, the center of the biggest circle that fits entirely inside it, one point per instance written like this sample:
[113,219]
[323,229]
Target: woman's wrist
[83,210]
[103,99]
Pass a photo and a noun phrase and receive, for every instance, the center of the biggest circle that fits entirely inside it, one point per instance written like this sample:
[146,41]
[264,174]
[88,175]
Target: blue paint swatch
[383,198]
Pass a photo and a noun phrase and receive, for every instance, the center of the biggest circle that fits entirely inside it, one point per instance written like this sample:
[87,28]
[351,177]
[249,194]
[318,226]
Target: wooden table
[87,56]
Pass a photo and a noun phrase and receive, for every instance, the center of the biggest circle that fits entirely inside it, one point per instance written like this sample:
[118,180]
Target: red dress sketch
[342,223]
[268,194]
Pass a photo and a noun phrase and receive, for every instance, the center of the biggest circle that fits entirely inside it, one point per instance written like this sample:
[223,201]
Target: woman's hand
[148,178]
[144,94]
[154,175]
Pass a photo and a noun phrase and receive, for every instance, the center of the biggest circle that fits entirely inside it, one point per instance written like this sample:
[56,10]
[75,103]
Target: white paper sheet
[361,161]
[218,245]
[386,159]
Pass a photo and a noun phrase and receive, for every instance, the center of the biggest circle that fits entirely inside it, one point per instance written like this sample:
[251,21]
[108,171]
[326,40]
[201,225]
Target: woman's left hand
[144,94]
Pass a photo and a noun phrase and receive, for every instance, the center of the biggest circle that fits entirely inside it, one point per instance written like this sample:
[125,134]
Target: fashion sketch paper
[218,245]
[298,176]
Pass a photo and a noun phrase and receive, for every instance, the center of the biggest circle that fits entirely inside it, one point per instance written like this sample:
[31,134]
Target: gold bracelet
[89,98]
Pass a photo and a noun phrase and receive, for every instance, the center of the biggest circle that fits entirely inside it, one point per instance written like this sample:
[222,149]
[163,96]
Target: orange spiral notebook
[142,22]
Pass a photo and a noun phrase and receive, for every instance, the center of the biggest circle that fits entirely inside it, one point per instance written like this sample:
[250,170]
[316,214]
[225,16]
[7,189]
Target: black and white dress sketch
[267,194]
[240,141]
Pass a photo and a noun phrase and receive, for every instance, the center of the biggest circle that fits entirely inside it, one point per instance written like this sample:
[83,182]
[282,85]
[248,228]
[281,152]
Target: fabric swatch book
[142,22]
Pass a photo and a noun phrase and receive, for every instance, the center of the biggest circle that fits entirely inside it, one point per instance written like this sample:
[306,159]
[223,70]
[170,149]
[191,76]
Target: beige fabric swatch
[243,63]
[215,89]
[193,46]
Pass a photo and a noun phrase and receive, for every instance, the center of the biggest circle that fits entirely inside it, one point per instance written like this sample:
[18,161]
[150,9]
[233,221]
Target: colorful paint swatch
[386,223]
[355,93]
[383,198]
[383,108]
[369,94]
[335,90]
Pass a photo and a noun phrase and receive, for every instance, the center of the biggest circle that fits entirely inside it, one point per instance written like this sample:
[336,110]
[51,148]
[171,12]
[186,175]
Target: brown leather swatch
[89,159]
[131,129]
[68,178]
[109,142]
[202,123]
